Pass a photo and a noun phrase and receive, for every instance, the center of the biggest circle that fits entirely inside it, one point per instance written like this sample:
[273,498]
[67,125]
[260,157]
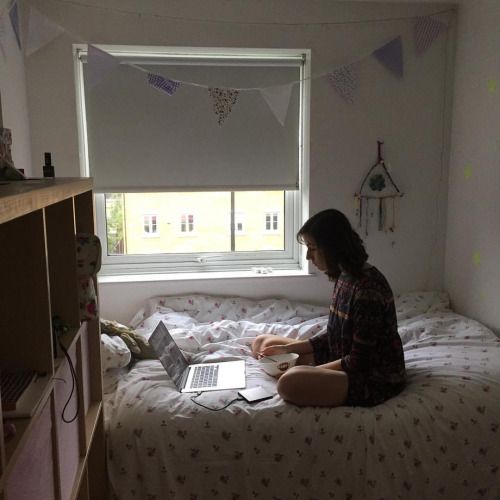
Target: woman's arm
[333,365]
[297,346]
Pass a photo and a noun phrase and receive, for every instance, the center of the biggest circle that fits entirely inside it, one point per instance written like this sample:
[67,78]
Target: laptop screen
[169,354]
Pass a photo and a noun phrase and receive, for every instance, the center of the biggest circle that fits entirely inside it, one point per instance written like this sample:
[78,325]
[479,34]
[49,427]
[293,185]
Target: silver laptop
[197,377]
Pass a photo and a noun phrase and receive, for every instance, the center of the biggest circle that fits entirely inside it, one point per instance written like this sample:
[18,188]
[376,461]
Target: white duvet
[438,439]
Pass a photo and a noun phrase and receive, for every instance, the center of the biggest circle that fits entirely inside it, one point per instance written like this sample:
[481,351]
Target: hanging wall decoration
[377,187]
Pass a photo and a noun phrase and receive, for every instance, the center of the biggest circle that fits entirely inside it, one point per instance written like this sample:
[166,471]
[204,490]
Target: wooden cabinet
[59,452]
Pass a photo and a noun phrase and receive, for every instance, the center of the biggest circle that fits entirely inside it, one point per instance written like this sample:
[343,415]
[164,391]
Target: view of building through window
[183,222]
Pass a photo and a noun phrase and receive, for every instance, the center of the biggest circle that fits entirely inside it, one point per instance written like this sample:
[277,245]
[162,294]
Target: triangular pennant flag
[391,56]
[345,81]
[425,31]
[14,21]
[278,99]
[99,65]
[2,35]
[224,100]
[41,31]
[164,84]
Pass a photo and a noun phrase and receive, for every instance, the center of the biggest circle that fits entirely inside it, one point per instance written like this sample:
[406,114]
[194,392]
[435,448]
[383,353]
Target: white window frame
[273,214]
[296,206]
[149,219]
[186,223]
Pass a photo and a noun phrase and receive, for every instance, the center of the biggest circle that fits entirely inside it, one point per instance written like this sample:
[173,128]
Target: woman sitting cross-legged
[358,360]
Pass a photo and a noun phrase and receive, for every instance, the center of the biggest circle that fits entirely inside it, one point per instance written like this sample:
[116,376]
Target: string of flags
[344,79]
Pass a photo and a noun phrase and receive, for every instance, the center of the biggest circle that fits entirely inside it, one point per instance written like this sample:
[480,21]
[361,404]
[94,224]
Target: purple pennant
[14,21]
[345,81]
[425,31]
[164,84]
[391,56]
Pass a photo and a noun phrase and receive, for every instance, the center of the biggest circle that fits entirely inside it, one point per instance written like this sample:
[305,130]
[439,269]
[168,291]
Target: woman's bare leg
[313,386]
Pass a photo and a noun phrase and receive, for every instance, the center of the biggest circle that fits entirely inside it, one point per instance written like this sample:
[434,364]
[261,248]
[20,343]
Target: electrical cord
[73,387]
[198,394]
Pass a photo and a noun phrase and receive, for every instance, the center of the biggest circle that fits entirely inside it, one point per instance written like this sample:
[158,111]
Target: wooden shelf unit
[59,452]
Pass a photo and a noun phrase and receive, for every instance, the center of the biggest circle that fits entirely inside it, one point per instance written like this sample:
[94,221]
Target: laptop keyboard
[205,376]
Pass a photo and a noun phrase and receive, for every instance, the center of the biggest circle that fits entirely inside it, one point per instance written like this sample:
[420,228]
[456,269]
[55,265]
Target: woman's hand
[275,349]
[263,342]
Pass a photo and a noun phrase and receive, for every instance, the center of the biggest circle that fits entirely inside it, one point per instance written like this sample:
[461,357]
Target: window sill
[131,278]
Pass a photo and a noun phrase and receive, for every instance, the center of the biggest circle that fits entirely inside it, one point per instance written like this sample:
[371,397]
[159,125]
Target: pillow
[114,353]
[411,304]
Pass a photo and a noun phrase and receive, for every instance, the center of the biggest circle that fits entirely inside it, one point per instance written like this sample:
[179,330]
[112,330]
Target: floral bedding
[437,439]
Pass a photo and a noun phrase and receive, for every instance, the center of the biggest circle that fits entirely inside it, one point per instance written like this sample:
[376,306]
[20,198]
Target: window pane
[193,222]
[259,206]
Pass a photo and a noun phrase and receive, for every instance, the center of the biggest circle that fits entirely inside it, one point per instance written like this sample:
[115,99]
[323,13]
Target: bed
[438,439]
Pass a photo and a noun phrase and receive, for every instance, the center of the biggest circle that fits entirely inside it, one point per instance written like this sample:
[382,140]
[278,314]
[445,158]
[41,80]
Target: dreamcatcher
[377,187]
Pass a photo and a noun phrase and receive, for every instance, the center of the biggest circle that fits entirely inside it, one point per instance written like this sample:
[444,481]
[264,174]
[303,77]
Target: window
[271,222]
[239,223]
[187,223]
[150,225]
[151,153]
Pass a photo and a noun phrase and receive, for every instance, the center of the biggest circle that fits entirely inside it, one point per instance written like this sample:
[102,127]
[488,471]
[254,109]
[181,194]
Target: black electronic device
[255,394]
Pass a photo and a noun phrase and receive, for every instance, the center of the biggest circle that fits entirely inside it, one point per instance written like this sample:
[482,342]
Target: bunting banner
[100,65]
[425,31]
[2,35]
[390,56]
[14,21]
[164,84]
[41,31]
[278,100]
[224,100]
[345,81]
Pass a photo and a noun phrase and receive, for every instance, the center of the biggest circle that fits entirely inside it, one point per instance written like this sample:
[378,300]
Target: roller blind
[139,138]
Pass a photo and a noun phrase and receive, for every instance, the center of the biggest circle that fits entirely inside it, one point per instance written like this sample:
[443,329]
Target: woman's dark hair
[334,236]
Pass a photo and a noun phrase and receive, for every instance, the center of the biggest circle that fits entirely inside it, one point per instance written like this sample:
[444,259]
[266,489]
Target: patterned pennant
[14,21]
[278,99]
[164,84]
[345,81]
[391,56]
[224,100]
[100,65]
[425,31]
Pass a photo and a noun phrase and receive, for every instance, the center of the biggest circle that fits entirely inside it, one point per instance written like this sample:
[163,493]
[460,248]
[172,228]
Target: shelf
[19,198]
[23,425]
[49,456]
[91,421]
[68,340]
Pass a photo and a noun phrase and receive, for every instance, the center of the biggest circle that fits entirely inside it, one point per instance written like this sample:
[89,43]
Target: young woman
[358,360]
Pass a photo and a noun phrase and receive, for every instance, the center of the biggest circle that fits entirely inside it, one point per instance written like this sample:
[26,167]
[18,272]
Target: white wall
[408,114]
[473,240]
[13,92]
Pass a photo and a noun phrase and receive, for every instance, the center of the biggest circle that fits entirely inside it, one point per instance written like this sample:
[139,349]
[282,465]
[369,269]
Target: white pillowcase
[114,353]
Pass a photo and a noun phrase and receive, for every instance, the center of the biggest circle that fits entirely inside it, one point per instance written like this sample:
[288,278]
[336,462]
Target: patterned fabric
[88,264]
[224,100]
[426,30]
[345,81]
[437,439]
[164,84]
[362,332]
